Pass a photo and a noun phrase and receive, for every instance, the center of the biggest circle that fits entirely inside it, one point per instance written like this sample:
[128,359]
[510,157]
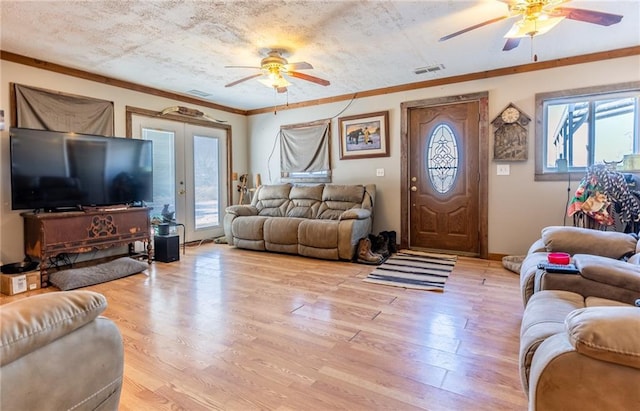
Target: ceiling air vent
[198,93]
[429,69]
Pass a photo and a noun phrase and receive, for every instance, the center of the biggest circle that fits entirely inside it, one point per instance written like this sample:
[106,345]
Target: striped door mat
[414,269]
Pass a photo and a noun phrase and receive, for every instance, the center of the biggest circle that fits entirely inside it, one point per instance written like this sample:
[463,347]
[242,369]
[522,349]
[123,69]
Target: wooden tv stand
[50,234]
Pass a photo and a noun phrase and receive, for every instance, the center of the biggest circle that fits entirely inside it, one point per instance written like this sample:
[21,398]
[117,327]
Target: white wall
[519,207]
[11,236]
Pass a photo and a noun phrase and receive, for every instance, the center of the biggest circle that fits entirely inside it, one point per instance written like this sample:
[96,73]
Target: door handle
[414,188]
[182,191]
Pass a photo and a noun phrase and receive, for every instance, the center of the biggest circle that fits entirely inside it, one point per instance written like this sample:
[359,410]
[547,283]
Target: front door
[444,187]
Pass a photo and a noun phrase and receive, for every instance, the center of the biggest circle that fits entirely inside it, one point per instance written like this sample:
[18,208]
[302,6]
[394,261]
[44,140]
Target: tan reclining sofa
[609,264]
[580,332]
[580,353]
[58,353]
[322,220]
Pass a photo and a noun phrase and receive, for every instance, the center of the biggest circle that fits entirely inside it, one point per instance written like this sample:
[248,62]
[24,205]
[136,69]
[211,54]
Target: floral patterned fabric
[602,192]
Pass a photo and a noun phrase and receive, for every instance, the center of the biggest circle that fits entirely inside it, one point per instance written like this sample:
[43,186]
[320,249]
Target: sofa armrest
[609,271]
[537,247]
[563,379]
[34,322]
[355,214]
[577,240]
[610,334]
[242,210]
[231,213]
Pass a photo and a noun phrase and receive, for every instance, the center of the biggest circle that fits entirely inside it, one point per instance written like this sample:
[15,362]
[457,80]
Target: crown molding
[523,68]
[57,68]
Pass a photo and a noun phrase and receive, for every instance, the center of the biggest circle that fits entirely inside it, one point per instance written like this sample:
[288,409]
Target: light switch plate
[503,169]
[380,172]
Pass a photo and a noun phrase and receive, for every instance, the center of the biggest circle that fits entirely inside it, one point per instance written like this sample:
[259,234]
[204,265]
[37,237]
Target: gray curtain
[50,110]
[305,148]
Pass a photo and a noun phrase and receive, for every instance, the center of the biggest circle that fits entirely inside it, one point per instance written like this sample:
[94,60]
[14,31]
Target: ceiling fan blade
[589,16]
[243,79]
[251,67]
[301,65]
[307,77]
[475,26]
[511,44]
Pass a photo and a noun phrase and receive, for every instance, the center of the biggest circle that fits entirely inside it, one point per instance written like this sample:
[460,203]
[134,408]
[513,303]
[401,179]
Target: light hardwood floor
[230,329]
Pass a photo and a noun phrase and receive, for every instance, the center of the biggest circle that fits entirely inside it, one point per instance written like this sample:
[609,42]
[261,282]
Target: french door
[189,173]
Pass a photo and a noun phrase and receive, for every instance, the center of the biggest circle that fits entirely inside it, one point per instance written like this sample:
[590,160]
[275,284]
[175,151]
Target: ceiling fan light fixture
[272,68]
[274,59]
[277,82]
[533,27]
[538,17]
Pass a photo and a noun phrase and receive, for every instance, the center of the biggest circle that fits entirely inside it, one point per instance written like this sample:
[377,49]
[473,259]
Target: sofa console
[322,221]
[608,264]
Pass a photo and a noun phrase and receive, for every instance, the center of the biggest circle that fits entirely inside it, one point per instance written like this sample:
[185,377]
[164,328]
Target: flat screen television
[55,170]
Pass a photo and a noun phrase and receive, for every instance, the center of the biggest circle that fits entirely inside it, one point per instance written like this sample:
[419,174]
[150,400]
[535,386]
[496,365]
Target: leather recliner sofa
[322,220]
[608,261]
[58,353]
[580,333]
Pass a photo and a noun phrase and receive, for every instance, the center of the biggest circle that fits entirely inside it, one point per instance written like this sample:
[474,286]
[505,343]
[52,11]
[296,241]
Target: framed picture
[364,136]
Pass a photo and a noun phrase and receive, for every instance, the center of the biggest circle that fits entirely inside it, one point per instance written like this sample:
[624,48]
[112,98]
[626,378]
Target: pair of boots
[375,249]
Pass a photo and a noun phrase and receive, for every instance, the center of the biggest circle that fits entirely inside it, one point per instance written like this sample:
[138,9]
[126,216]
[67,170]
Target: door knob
[414,188]
[182,191]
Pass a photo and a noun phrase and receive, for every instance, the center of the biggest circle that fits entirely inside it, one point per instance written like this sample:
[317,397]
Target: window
[442,158]
[579,128]
[304,152]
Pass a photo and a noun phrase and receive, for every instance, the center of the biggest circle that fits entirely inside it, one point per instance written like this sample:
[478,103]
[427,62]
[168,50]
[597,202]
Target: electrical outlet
[380,172]
[503,169]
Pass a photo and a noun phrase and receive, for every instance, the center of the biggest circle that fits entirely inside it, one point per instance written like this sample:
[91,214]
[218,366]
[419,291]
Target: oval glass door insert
[442,158]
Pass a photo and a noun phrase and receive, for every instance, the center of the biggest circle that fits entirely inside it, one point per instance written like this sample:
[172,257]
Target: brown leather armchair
[58,353]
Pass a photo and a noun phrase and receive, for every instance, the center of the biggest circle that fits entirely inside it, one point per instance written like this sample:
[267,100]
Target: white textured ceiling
[357,45]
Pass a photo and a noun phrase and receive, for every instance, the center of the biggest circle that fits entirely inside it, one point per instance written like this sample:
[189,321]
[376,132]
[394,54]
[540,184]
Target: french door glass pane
[164,175]
[206,187]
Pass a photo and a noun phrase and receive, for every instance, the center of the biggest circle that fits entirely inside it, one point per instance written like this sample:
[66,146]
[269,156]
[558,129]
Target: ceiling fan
[275,69]
[538,17]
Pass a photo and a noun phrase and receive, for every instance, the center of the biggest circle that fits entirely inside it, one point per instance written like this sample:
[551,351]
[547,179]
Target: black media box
[166,248]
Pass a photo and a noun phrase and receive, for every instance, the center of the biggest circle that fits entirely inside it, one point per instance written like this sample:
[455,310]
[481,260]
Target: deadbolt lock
[414,179]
